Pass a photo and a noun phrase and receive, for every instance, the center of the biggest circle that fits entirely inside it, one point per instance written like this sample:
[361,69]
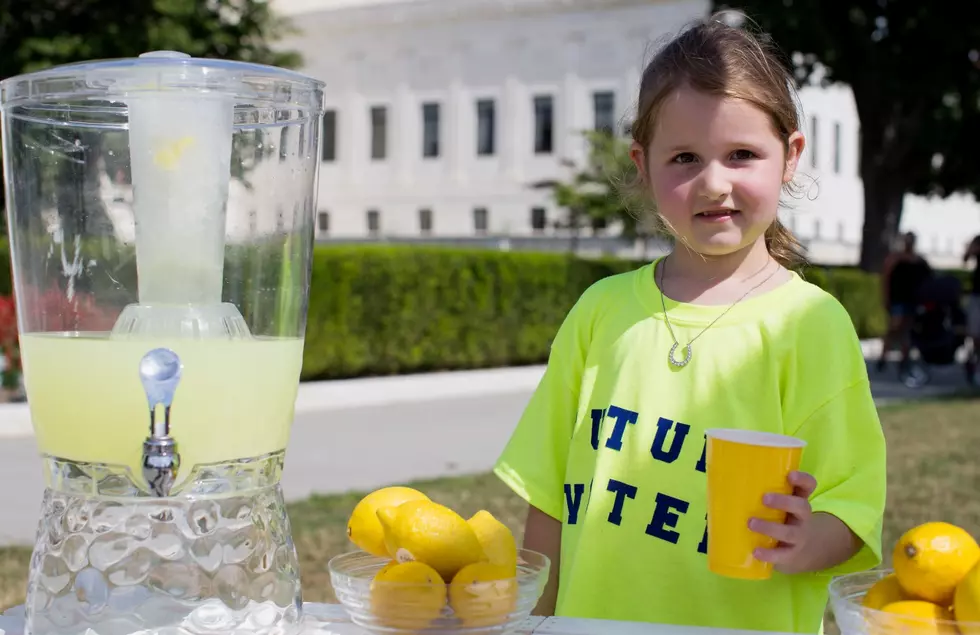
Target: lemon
[483,594]
[496,539]
[428,532]
[407,595]
[363,526]
[932,558]
[170,153]
[914,617]
[884,591]
[966,602]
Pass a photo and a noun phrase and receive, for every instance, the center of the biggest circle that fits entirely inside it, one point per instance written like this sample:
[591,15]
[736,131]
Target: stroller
[938,328]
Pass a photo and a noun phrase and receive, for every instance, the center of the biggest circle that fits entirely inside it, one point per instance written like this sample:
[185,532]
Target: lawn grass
[932,470]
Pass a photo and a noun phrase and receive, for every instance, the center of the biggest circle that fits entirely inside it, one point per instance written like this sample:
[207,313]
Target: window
[480,220]
[837,147]
[379,132]
[430,130]
[604,107]
[543,124]
[813,141]
[373,222]
[425,221]
[329,151]
[323,222]
[539,219]
[485,134]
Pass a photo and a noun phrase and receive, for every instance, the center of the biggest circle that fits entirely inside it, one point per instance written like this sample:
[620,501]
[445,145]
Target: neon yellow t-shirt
[612,444]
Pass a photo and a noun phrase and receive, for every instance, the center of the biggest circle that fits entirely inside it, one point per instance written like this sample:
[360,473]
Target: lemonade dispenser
[160,213]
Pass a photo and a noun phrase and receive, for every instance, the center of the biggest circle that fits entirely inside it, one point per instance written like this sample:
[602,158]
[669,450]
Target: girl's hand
[790,555]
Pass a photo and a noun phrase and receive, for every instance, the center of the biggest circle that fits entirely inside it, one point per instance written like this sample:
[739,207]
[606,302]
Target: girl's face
[716,169]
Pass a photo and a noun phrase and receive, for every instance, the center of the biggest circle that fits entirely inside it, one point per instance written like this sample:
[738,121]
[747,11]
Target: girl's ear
[638,154]
[794,148]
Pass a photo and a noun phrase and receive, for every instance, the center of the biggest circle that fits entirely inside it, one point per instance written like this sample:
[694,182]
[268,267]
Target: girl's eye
[684,157]
[742,155]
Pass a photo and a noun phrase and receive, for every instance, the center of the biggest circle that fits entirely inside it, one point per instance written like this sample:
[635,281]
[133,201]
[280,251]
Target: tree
[600,193]
[914,69]
[42,33]
[37,34]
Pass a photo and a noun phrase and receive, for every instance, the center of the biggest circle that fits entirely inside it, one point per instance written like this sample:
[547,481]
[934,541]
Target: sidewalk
[345,394]
[359,434]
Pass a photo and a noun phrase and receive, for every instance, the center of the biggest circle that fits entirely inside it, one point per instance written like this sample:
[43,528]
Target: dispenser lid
[156,71]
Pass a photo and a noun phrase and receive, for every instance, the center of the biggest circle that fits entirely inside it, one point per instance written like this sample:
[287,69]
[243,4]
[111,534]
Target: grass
[932,471]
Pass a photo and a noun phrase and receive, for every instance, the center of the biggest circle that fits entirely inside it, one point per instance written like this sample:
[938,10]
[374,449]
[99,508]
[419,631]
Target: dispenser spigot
[160,371]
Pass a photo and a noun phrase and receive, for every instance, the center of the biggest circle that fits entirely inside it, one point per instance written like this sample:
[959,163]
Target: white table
[331,619]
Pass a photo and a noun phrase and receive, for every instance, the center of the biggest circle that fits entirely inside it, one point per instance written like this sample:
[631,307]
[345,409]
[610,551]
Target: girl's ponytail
[784,247]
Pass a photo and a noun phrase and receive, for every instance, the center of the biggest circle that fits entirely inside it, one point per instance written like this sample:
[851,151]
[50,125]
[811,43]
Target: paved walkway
[353,434]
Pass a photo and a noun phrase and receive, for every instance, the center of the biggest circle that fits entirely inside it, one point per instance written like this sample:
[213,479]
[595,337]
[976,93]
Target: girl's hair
[718,59]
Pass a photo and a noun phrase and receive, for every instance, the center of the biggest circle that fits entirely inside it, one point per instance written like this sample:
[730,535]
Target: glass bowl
[488,608]
[846,594]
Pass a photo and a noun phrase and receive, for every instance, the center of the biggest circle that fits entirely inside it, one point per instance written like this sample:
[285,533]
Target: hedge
[378,310]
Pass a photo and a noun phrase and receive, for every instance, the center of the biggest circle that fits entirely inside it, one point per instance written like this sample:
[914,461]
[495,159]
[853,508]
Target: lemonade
[235,399]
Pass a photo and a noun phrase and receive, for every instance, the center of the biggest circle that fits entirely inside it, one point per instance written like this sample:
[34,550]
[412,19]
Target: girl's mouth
[717,215]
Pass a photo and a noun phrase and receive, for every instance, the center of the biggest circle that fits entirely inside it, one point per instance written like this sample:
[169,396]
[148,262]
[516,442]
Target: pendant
[682,362]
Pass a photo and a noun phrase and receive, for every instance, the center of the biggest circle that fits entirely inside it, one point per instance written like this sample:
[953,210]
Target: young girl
[610,453]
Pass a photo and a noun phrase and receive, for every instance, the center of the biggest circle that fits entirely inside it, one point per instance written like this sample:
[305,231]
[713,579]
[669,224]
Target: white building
[442,113]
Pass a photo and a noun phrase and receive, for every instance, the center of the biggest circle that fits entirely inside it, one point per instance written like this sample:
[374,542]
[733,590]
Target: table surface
[331,619]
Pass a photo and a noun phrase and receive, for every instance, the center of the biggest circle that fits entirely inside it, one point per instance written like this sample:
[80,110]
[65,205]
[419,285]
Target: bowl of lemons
[933,587]
[420,567]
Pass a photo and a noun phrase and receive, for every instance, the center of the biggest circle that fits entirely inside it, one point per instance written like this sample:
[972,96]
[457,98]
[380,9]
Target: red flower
[8,332]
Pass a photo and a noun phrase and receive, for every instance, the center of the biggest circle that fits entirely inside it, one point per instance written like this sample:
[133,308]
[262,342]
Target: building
[441,114]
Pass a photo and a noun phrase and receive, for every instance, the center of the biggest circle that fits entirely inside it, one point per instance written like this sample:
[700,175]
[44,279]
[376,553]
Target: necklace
[680,363]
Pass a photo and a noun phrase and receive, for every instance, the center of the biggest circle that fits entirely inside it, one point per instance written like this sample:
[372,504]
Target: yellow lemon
[932,558]
[885,591]
[496,539]
[383,571]
[966,602]
[170,153]
[483,594]
[914,617]
[407,595]
[425,531]
[363,526]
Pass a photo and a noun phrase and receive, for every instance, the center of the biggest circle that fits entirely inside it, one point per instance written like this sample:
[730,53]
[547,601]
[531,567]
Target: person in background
[902,276]
[973,307]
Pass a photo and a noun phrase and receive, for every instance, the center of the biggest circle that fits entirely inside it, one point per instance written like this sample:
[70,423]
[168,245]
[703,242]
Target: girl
[610,452]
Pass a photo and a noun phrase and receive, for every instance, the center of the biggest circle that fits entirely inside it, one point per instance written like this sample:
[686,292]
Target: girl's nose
[715,184]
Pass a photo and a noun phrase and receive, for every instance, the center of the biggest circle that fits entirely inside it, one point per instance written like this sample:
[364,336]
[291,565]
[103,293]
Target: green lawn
[933,475]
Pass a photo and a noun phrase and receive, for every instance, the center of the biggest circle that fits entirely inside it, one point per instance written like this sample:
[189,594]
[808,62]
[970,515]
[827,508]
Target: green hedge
[383,310]
[377,310]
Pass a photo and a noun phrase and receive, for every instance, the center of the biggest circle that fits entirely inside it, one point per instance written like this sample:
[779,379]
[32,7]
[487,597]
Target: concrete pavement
[347,434]
[354,434]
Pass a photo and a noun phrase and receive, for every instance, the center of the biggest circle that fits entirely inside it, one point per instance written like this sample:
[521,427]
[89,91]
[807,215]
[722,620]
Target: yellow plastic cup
[742,466]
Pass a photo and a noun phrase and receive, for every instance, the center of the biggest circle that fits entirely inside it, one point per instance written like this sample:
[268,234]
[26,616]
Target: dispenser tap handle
[160,371]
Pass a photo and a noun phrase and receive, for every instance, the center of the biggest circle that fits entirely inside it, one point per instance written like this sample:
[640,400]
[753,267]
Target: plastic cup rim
[755,437]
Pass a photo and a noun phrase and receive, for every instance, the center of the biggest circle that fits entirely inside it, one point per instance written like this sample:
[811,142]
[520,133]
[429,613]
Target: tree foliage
[914,69]
[602,192]
[37,34]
